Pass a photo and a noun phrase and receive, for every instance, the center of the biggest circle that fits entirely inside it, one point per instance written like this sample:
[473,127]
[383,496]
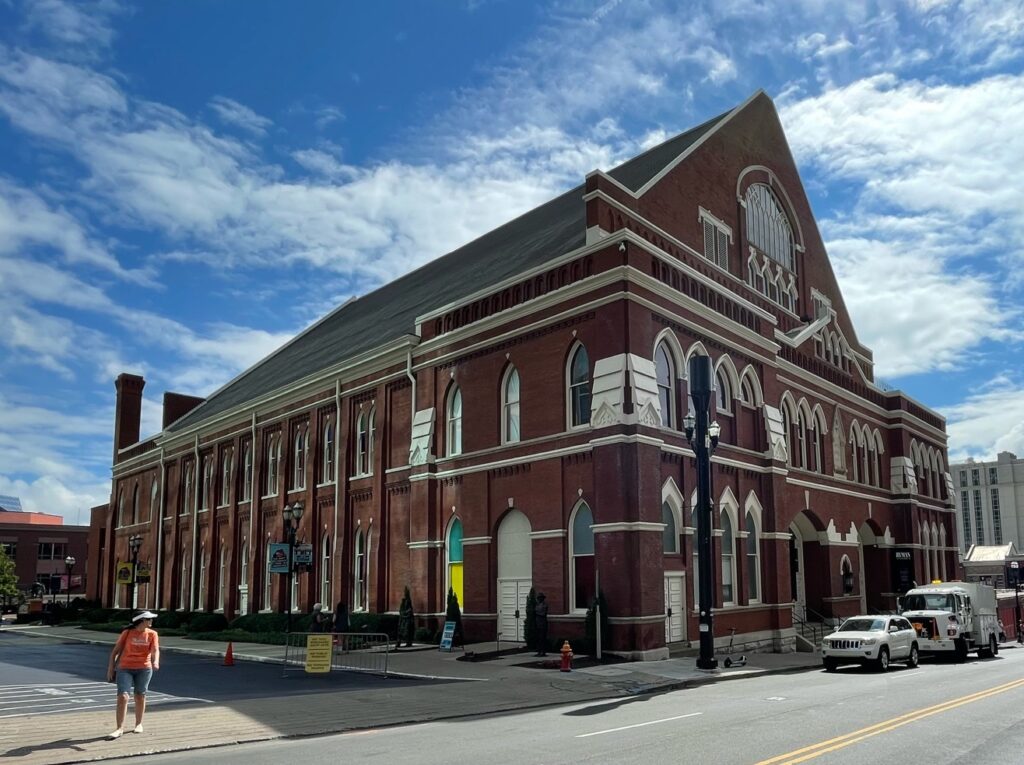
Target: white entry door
[675,615]
[512,595]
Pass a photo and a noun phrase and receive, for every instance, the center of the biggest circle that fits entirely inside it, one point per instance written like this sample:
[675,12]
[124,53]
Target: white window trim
[754,532]
[506,404]
[673,383]
[572,555]
[452,424]
[567,374]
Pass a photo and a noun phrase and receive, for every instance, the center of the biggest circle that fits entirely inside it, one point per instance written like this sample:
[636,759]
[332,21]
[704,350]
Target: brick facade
[845,503]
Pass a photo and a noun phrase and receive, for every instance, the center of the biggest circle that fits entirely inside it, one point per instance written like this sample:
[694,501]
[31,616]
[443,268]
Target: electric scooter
[739,661]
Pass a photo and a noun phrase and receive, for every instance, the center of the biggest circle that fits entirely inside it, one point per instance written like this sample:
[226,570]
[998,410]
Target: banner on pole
[277,559]
[124,573]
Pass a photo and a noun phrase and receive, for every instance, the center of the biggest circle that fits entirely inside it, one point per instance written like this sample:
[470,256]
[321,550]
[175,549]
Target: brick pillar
[127,410]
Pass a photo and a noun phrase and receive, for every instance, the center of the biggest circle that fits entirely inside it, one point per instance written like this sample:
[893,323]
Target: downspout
[251,563]
[196,488]
[335,558]
[160,532]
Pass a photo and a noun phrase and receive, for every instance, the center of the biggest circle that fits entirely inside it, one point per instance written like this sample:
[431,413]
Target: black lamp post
[703,437]
[69,564]
[289,513]
[134,543]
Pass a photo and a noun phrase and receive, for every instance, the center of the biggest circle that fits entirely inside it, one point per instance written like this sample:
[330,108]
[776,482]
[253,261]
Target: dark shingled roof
[389,312]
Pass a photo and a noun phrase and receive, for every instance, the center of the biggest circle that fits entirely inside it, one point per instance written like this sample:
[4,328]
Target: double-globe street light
[69,564]
[134,543]
[290,513]
[703,437]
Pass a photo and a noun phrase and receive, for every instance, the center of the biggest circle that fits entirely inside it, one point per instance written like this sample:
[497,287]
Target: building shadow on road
[596,709]
[75,744]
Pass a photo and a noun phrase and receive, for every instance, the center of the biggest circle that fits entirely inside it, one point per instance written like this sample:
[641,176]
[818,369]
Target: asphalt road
[940,713]
[46,675]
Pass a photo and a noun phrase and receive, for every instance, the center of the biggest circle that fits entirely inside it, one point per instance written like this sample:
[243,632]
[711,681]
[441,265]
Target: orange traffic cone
[229,656]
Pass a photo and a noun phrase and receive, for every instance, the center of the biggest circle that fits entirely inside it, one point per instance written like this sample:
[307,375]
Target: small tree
[8,579]
[530,621]
[406,619]
[454,614]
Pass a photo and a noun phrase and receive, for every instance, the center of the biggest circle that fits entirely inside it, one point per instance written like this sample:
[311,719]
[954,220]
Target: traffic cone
[229,656]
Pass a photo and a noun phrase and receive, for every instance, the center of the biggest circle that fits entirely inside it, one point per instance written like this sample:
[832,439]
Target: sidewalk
[487,687]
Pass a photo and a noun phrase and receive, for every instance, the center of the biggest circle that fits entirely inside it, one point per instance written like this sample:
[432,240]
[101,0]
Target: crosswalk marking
[58,698]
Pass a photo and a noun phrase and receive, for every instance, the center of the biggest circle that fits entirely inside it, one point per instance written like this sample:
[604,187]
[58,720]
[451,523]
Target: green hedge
[271,638]
[203,622]
[386,623]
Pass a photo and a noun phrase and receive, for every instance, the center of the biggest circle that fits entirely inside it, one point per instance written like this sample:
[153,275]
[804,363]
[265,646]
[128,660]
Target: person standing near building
[540,615]
[135,657]
[318,622]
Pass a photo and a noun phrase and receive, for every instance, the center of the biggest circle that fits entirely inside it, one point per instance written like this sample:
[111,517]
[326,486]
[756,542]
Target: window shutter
[723,249]
[709,240]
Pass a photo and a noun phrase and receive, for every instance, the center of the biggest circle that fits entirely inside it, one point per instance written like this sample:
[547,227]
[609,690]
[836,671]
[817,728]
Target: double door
[512,595]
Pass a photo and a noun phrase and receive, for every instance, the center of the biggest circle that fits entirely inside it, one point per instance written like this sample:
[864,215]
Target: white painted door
[675,615]
[512,595]
[515,574]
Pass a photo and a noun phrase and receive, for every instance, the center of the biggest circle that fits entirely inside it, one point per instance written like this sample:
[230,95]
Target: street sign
[143,573]
[447,636]
[303,555]
[318,653]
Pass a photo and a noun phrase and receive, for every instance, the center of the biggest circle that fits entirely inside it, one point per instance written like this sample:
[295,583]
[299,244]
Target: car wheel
[830,665]
[915,658]
[993,646]
[960,650]
[882,662]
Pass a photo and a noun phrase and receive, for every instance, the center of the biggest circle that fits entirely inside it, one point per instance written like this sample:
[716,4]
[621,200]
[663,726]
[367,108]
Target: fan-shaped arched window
[665,373]
[454,417]
[581,556]
[579,387]
[768,228]
[723,395]
[510,407]
[670,535]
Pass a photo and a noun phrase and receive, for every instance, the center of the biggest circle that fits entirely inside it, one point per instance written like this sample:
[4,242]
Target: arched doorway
[803,533]
[515,574]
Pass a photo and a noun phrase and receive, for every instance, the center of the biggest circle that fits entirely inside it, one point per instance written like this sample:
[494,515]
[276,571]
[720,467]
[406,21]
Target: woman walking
[135,656]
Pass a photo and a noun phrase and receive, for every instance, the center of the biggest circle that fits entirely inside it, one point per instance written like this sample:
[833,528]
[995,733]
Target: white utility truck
[953,618]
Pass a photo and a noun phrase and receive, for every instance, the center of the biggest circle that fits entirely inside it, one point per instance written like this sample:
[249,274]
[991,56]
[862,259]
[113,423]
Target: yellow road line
[832,744]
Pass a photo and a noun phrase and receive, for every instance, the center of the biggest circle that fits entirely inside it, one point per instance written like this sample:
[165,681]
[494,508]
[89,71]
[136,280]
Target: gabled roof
[384,315]
[990,553]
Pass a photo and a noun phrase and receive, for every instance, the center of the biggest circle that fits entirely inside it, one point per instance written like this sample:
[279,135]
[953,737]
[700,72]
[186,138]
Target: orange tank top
[137,649]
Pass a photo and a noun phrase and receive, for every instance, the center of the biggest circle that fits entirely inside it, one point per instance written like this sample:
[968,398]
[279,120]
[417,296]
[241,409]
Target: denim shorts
[126,678]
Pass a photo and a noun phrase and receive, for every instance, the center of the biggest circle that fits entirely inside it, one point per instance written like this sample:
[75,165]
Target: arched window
[363,443]
[579,387]
[453,550]
[183,581]
[267,580]
[665,373]
[207,488]
[728,560]
[816,444]
[371,440]
[747,392]
[273,457]
[787,430]
[135,504]
[581,556]
[187,494]
[120,508]
[325,571]
[360,596]
[225,478]
[200,601]
[801,437]
[243,575]
[753,560]
[854,460]
[222,579]
[670,535]
[768,228]
[926,545]
[865,474]
[454,417]
[301,446]
[154,494]
[723,396]
[328,461]
[510,407]
[247,473]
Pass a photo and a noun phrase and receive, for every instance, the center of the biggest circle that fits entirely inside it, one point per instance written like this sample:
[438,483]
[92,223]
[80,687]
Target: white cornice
[605,528]
[476,540]
[549,534]
[425,544]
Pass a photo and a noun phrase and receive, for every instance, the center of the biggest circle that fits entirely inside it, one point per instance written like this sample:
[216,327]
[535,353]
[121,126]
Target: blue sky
[183,186]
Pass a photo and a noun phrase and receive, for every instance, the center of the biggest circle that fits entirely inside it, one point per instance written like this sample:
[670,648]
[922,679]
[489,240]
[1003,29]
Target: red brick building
[39,544]
[509,415]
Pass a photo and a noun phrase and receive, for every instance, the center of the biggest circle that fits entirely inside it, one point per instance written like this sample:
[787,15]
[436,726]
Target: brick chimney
[177,405]
[128,410]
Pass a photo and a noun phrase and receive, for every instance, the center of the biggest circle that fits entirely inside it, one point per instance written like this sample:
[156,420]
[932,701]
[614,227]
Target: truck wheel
[960,650]
[993,646]
[915,658]
[882,662]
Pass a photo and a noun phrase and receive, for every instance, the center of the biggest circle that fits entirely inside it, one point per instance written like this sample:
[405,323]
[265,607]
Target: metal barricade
[350,651]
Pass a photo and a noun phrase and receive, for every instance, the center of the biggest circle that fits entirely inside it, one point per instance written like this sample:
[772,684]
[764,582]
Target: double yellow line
[832,744]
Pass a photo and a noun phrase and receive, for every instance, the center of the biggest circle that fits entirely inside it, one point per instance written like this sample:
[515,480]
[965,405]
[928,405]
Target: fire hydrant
[566,657]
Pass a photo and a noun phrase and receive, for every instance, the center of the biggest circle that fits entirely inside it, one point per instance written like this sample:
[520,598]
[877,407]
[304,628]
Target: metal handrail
[804,626]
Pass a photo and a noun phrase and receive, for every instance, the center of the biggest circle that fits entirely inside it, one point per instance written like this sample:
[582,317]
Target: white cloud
[322,163]
[233,113]
[81,25]
[988,422]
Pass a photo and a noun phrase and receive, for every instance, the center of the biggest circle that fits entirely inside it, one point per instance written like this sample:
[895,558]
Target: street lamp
[703,437]
[134,543]
[69,563]
[289,513]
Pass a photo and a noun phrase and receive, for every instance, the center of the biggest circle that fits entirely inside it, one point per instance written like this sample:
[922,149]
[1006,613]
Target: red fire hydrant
[566,657]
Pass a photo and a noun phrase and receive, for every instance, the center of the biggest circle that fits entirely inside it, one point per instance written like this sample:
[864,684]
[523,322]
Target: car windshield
[935,601]
[863,625]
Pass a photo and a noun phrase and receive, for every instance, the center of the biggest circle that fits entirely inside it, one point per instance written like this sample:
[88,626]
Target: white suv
[874,640]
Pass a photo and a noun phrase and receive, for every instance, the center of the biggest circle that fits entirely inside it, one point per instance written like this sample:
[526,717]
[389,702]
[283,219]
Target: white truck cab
[954,617]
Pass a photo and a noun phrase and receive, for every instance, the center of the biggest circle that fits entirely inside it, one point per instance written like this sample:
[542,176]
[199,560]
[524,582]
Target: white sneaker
[137,728]
[116,734]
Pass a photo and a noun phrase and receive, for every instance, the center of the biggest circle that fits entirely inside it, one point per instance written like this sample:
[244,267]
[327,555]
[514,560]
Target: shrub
[28,618]
[257,623]
[371,622]
[454,614]
[172,619]
[241,636]
[203,622]
[424,635]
